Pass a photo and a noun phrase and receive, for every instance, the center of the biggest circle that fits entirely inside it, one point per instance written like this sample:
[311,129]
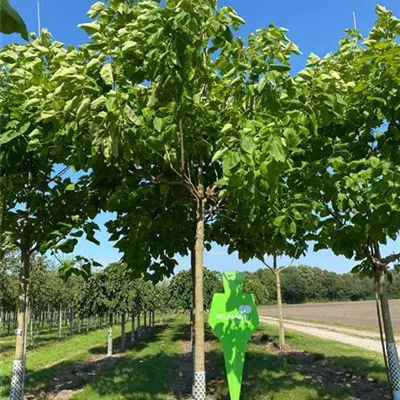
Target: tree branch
[62,172]
[391,258]
[182,144]
[267,265]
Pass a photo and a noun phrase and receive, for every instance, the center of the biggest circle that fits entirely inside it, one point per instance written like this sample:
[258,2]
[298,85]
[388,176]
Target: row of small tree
[190,135]
[76,305]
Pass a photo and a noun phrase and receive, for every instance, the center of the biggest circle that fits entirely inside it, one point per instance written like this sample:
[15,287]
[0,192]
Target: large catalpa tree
[172,100]
[41,209]
[352,165]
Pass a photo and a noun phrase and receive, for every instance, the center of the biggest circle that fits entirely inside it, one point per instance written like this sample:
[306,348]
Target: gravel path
[363,339]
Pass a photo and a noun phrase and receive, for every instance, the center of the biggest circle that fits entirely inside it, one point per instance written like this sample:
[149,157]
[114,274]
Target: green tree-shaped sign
[233,318]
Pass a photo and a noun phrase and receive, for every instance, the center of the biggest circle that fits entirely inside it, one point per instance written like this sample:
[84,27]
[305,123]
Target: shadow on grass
[146,338]
[270,374]
[6,347]
[296,375]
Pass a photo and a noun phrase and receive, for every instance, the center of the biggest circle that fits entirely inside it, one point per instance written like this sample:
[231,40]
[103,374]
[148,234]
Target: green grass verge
[310,370]
[45,361]
[41,336]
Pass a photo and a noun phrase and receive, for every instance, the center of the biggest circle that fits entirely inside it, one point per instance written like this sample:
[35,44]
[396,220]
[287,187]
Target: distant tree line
[310,284]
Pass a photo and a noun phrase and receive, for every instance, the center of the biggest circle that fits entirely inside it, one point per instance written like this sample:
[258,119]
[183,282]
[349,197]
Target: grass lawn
[51,358]
[144,373]
[41,336]
[157,368]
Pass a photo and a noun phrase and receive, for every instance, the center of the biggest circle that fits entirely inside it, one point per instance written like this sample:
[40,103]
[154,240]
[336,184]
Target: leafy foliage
[181,289]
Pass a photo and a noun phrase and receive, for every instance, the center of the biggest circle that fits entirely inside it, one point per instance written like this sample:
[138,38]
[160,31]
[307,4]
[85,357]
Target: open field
[354,313]
[160,367]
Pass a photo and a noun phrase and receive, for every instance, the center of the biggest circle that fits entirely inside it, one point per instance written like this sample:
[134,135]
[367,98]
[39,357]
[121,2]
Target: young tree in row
[276,227]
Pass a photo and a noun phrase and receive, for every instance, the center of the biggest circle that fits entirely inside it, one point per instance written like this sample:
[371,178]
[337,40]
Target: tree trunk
[110,336]
[150,320]
[51,319]
[122,346]
[192,331]
[18,370]
[133,327]
[68,314]
[138,326]
[32,341]
[15,318]
[79,325]
[59,323]
[145,321]
[199,379]
[192,264]
[43,319]
[8,322]
[391,348]
[280,309]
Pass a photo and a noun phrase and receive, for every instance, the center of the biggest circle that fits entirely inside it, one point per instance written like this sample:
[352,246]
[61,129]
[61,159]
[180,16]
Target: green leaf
[90,27]
[67,246]
[98,103]
[278,221]
[380,10]
[236,17]
[95,9]
[247,144]
[279,67]
[313,59]
[33,144]
[292,138]
[230,161]
[84,106]
[8,136]
[128,45]
[106,73]
[218,155]
[293,48]
[70,187]
[378,99]
[158,124]
[276,150]
[226,128]
[11,21]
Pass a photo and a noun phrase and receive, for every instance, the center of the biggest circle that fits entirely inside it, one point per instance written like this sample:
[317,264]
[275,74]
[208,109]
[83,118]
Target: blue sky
[314,25]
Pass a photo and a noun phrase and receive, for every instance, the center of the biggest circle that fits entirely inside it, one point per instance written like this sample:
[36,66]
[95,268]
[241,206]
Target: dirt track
[355,313]
[363,339]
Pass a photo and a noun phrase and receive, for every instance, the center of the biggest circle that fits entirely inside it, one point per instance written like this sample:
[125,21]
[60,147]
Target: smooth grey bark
[110,336]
